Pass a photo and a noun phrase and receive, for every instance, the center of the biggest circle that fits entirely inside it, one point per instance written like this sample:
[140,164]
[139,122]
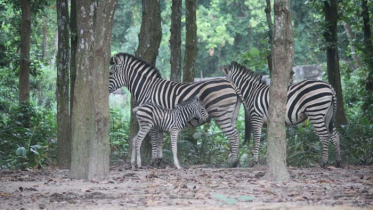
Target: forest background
[233,30]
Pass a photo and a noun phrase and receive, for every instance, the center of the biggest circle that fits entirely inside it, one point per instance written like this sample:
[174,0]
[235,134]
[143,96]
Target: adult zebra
[219,96]
[310,99]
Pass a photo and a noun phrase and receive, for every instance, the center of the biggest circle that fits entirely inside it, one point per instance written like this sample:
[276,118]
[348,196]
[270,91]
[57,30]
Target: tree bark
[73,49]
[269,33]
[368,58]
[149,40]
[24,71]
[190,41]
[175,41]
[349,33]
[283,55]
[334,75]
[62,92]
[45,39]
[90,120]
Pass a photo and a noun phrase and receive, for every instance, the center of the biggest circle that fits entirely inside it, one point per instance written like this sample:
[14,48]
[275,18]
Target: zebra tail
[330,115]
[247,114]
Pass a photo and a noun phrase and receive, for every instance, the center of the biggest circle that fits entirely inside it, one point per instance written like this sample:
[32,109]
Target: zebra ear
[114,60]
[226,69]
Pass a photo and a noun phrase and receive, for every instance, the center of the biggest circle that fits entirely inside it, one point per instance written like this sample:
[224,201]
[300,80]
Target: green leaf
[224,198]
[245,198]
[21,151]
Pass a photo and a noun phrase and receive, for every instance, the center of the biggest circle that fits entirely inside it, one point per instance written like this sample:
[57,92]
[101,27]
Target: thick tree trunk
[190,40]
[175,41]
[334,75]
[368,58]
[269,33]
[190,54]
[149,40]
[63,113]
[90,120]
[24,71]
[283,55]
[74,45]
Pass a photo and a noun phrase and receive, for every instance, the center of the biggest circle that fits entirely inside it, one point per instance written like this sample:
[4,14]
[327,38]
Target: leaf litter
[193,188]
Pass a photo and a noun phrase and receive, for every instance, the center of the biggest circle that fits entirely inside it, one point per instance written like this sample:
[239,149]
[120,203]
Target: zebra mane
[242,70]
[123,55]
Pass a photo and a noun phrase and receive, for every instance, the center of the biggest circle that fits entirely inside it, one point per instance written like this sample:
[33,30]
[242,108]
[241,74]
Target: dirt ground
[194,188]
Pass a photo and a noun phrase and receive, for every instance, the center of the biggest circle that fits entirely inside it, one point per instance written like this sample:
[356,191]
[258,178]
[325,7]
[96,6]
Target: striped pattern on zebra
[218,96]
[315,100]
[150,115]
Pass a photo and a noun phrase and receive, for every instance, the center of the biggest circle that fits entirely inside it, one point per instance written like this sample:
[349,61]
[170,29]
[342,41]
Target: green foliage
[119,131]
[27,137]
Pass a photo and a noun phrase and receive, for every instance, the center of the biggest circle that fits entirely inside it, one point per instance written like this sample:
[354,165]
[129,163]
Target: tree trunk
[190,41]
[269,33]
[24,71]
[334,76]
[149,40]
[52,61]
[90,120]
[62,92]
[368,58]
[349,33]
[74,45]
[45,39]
[175,41]
[283,55]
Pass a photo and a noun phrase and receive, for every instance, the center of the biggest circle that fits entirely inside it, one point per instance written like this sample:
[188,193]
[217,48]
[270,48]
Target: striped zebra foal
[150,115]
[220,97]
[315,100]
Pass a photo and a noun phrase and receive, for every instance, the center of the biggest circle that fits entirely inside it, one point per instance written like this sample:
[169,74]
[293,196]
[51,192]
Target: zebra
[220,97]
[315,100]
[150,115]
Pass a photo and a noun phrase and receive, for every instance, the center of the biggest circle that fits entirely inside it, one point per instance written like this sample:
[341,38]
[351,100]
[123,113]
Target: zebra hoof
[253,163]
[324,165]
[159,162]
[234,164]
[338,164]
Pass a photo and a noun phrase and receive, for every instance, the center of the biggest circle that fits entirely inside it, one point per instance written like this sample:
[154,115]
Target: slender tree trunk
[334,75]
[63,113]
[191,40]
[368,58]
[45,39]
[175,41]
[283,55]
[24,71]
[269,33]
[90,120]
[52,61]
[349,33]
[149,40]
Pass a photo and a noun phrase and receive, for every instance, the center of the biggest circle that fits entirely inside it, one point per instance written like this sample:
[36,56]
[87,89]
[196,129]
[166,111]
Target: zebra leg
[133,155]
[139,138]
[154,141]
[335,139]
[174,135]
[322,131]
[159,149]
[231,132]
[257,132]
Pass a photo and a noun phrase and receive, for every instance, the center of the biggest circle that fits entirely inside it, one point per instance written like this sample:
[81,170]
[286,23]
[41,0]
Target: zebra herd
[162,105]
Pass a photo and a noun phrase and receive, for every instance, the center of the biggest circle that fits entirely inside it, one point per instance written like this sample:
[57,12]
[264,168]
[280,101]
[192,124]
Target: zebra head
[116,77]
[201,112]
[237,74]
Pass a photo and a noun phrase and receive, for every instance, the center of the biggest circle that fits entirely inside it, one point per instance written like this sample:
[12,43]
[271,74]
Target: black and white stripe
[315,100]
[150,115]
[218,96]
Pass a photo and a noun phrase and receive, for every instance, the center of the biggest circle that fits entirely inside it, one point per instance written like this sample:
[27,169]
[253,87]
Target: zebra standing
[150,115]
[315,100]
[218,96]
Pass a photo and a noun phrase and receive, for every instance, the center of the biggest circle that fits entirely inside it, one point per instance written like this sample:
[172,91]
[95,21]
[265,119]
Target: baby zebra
[150,115]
